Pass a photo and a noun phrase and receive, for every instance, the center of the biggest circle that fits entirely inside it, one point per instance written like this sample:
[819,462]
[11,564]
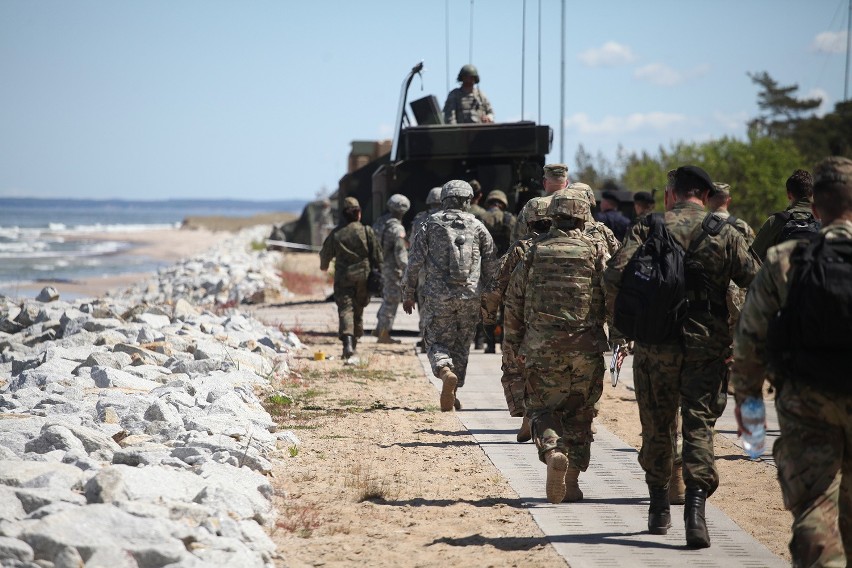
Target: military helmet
[468,71]
[535,209]
[586,189]
[497,195]
[456,188]
[398,203]
[351,203]
[568,204]
[434,196]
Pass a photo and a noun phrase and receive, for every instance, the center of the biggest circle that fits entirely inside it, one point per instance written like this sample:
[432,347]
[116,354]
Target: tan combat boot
[677,490]
[525,433]
[448,390]
[557,464]
[384,337]
[573,492]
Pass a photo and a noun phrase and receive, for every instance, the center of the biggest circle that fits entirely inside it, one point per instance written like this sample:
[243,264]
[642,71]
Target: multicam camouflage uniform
[688,371]
[450,308]
[395,253]
[350,245]
[554,322]
[466,108]
[812,452]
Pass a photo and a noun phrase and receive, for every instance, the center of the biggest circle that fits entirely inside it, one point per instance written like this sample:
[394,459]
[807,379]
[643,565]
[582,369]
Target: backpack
[809,339]
[559,286]
[652,305]
[453,252]
[797,226]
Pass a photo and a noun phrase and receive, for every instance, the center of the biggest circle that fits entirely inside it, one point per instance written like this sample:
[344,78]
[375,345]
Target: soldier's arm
[496,288]
[513,308]
[765,237]
[615,267]
[487,109]
[745,263]
[400,251]
[416,258]
[327,251]
[374,245]
[487,253]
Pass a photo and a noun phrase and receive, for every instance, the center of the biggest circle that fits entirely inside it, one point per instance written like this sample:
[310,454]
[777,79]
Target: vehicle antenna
[470,44]
[848,48]
[523,55]
[539,61]
[447,39]
[562,95]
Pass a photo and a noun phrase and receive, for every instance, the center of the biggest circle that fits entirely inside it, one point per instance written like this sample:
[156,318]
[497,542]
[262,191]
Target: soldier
[467,104]
[499,222]
[457,254]
[809,367]
[610,215]
[535,210]
[475,208]
[433,201]
[800,187]
[395,254]
[687,367]
[643,203]
[554,328]
[555,178]
[355,250]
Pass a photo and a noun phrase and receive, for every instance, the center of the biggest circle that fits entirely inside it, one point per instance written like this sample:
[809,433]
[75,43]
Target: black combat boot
[354,344]
[693,516]
[490,343]
[348,347]
[659,514]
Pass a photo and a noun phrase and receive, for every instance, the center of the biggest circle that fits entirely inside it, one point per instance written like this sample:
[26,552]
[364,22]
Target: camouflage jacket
[766,296]
[463,108]
[426,255]
[350,245]
[745,230]
[501,226]
[420,219]
[394,251]
[769,232]
[520,230]
[495,289]
[532,326]
[477,211]
[724,257]
[379,224]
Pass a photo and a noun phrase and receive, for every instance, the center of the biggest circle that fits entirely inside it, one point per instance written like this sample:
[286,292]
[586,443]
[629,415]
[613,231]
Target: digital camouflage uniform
[416,225]
[814,450]
[450,309]
[688,371]
[395,254]
[554,318]
[349,246]
[769,232]
[467,108]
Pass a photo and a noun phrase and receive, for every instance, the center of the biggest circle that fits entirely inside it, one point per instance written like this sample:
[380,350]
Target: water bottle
[753,417]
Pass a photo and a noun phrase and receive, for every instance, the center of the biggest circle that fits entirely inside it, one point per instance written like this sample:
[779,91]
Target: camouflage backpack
[454,252]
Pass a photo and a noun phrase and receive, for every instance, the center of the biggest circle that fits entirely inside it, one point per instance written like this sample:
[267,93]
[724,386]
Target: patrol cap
[644,197]
[351,203]
[610,195]
[535,209]
[456,188]
[398,203]
[568,204]
[497,195]
[692,177]
[556,171]
[434,196]
[834,170]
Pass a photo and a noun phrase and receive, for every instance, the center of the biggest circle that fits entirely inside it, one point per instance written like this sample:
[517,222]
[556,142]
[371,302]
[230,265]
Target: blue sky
[252,99]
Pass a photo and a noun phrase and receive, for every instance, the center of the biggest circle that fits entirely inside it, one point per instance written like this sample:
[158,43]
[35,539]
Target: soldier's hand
[408,306]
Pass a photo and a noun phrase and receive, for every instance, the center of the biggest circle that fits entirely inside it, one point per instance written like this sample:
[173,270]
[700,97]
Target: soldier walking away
[535,210]
[795,328]
[457,254]
[395,255]
[355,252]
[499,222]
[467,104]
[796,221]
[555,177]
[643,203]
[679,321]
[611,217]
[433,201]
[555,315]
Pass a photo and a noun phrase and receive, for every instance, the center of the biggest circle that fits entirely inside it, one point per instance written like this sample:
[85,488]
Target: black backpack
[810,338]
[797,226]
[651,305]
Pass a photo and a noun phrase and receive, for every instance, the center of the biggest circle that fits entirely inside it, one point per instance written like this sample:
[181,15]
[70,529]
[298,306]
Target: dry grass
[303,284]
[301,519]
[370,483]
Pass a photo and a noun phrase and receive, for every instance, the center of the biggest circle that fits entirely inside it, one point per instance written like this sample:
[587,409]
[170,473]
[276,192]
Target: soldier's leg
[391,297]
[344,297]
[656,375]
[435,330]
[809,455]
[513,390]
[361,297]
[545,393]
[463,330]
[586,372]
[701,382]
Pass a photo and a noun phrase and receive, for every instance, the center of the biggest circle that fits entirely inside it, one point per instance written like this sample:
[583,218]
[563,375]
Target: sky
[250,99]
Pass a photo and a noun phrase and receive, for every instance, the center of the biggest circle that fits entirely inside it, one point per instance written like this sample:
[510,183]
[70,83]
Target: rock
[106,377]
[184,311]
[68,557]
[101,324]
[96,443]
[163,411]
[142,454]
[40,474]
[10,507]
[148,357]
[153,320]
[48,294]
[32,499]
[54,437]
[106,359]
[14,549]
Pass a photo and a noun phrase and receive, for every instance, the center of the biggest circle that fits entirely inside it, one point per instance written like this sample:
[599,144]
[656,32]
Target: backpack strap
[732,221]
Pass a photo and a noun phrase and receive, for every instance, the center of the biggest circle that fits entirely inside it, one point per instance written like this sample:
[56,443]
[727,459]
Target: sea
[38,241]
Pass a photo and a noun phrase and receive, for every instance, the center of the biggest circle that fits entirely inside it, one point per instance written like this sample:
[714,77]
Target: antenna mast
[848,48]
[524,55]
[562,95]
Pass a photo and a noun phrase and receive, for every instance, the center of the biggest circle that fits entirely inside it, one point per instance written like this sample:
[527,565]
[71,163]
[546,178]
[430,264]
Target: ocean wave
[39,250]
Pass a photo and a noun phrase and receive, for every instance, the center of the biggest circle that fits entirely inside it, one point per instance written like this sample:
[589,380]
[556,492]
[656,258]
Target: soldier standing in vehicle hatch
[467,104]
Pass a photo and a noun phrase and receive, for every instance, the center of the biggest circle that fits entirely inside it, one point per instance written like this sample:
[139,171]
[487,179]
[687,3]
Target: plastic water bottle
[753,416]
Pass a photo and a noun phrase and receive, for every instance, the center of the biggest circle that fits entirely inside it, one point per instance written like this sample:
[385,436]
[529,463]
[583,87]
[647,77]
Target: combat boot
[348,348]
[525,433]
[694,521]
[557,464]
[676,487]
[659,513]
[354,344]
[479,338]
[384,337]
[448,390]
[573,493]
[490,343]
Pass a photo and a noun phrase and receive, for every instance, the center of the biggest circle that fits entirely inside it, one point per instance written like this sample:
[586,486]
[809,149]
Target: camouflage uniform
[350,246]
[768,234]
[554,322]
[466,108]
[450,310]
[736,295]
[434,203]
[813,451]
[688,371]
[395,254]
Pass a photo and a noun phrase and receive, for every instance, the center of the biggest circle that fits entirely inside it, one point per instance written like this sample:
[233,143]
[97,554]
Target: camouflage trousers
[351,301]
[814,457]
[391,298]
[514,385]
[664,379]
[562,391]
[449,326]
